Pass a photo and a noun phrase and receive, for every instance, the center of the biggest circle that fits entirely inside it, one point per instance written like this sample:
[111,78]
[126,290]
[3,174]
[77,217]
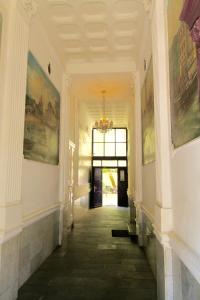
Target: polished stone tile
[94,265]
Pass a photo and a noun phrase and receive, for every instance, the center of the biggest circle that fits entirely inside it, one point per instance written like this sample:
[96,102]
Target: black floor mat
[120,233]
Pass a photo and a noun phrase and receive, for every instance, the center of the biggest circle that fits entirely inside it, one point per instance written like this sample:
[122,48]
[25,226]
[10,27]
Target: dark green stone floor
[93,265]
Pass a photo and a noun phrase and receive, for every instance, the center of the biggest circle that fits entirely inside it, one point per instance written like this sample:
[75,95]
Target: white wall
[80,134]
[186,193]
[83,152]
[148,171]
[149,188]
[40,182]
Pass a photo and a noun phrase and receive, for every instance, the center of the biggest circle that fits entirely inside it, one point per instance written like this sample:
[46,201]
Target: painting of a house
[148,131]
[42,114]
[184,92]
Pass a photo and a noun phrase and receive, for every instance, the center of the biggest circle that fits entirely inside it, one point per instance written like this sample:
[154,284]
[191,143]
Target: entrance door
[96,194]
[110,191]
[96,199]
[122,186]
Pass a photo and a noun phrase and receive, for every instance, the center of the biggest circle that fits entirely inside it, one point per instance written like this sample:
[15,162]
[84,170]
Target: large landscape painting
[41,132]
[184,92]
[148,131]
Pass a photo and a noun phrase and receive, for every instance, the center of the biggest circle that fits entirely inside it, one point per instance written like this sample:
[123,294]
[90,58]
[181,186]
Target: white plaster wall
[148,171]
[40,182]
[83,141]
[149,188]
[186,193]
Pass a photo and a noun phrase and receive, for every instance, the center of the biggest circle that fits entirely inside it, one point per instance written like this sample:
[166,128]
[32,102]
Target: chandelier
[104,124]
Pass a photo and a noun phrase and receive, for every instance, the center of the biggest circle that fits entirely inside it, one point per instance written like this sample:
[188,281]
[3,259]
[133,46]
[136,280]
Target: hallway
[93,264]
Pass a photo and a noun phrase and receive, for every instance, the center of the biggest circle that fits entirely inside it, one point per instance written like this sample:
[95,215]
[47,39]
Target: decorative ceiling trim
[28,8]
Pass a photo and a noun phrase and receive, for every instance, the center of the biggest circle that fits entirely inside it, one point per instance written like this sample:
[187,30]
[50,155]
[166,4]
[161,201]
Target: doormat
[120,233]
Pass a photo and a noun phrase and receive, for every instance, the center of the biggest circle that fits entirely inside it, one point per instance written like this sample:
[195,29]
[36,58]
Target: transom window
[110,144]
[109,163]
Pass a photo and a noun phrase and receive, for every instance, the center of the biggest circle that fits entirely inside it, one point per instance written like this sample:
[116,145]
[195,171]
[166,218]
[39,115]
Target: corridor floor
[93,265]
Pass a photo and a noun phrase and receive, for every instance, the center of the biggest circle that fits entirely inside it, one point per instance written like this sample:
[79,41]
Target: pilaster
[13,61]
[138,141]
[64,151]
[15,37]
[163,210]
[138,159]
[162,113]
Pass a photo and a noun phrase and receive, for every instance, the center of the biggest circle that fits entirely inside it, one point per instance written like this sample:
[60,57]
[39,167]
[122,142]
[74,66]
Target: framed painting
[148,130]
[184,91]
[42,116]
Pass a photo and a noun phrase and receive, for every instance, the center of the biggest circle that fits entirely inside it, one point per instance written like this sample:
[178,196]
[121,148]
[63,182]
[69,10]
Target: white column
[14,49]
[138,158]
[163,209]
[64,151]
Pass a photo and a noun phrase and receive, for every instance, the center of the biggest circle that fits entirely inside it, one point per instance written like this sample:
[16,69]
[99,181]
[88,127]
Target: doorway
[109,187]
[109,176]
[103,184]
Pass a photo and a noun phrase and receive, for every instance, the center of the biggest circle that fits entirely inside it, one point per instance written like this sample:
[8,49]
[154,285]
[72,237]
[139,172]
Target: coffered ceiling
[94,30]
[98,32]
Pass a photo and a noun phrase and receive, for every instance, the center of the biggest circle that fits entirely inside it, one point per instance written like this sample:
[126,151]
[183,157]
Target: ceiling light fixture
[104,124]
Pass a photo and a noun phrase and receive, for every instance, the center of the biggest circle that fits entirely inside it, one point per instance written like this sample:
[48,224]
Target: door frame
[92,183]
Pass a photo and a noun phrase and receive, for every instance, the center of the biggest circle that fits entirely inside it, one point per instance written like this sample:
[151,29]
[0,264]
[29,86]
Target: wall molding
[162,237]
[28,220]
[10,204]
[147,213]
[38,215]
[186,254]
[8,235]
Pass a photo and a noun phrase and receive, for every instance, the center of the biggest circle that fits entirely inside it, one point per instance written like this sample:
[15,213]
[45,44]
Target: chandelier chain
[104,124]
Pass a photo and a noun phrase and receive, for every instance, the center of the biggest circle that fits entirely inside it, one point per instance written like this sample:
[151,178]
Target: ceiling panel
[94,29]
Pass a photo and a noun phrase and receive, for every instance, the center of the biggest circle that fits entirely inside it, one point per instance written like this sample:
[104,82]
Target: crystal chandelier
[104,124]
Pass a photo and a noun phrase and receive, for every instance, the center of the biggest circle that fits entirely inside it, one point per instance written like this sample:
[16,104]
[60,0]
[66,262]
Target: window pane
[110,149]
[121,135]
[109,163]
[96,163]
[122,163]
[98,136]
[121,149]
[98,149]
[110,136]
